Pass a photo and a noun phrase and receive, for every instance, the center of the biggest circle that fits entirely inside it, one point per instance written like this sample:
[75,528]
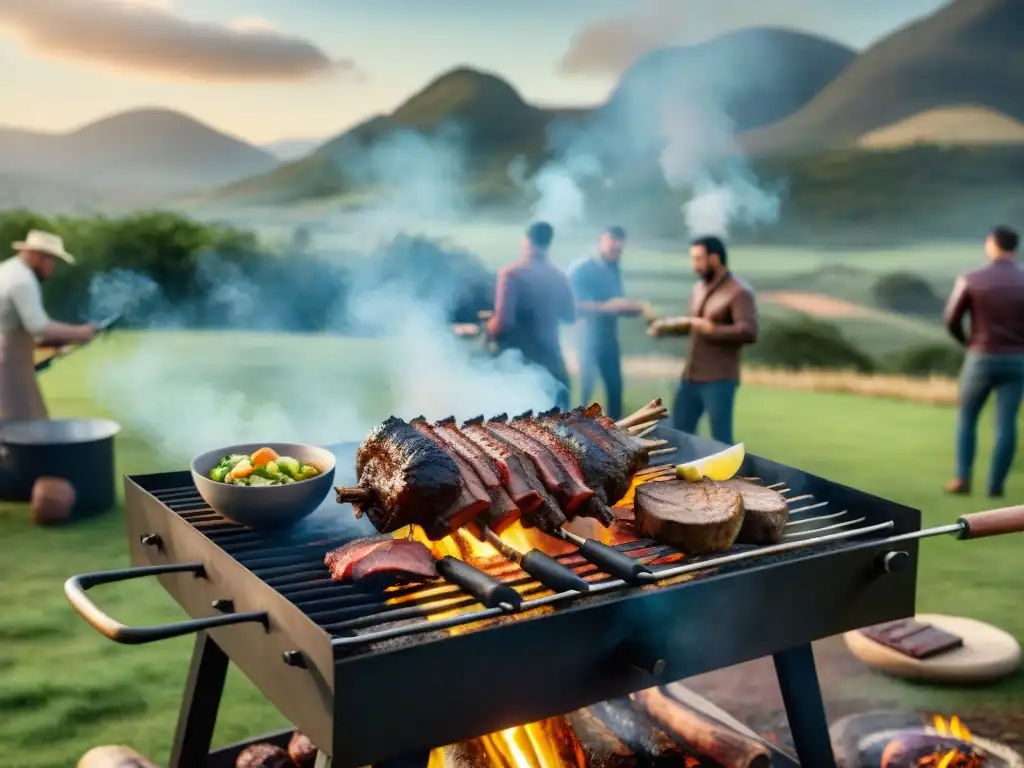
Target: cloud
[147,38]
[609,46]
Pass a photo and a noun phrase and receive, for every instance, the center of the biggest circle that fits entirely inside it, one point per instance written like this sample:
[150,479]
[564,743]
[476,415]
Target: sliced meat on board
[696,518]
[765,512]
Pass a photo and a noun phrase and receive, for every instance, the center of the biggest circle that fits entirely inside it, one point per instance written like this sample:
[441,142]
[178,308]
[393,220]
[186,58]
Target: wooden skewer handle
[994,522]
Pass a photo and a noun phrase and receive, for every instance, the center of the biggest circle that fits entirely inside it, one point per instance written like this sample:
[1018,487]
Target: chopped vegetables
[263,467]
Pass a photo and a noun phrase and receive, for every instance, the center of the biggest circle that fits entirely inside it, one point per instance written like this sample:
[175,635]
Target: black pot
[79,450]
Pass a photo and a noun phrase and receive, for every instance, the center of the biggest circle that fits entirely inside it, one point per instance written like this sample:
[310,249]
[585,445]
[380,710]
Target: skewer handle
[613,562]
[551,573]
[484,587]
[994,522]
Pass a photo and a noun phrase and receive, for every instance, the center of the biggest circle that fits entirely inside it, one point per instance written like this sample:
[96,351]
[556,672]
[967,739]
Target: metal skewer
[544,568]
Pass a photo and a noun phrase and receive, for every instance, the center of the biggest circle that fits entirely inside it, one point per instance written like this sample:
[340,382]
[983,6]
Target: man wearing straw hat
[24,323]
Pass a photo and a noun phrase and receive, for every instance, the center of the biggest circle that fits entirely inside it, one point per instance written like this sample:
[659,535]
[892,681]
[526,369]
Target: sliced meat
[697,518]
[302,751]
[481,463]
[473,497]
[546,515]
[516,483]
[765,512]
[398,559]
[596,466]
[568,493]
[571,489]
[616,473]
[340,561]
[263,756]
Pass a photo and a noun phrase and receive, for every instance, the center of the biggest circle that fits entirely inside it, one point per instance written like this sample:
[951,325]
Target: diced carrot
[264,456]
[243,468]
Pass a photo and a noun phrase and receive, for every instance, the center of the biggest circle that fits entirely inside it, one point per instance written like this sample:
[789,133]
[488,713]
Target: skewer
[609,559]
[638,428]
[662,451]
[653,410]
[544,568]
[647,431]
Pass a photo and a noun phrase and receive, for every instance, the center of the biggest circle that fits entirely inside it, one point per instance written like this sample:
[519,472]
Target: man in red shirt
[533,298]
[993,296]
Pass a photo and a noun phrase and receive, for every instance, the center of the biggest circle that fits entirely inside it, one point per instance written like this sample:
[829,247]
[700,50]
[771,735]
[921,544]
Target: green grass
[64,688]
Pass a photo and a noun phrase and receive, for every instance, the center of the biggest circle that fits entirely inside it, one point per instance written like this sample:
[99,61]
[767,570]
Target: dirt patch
[817,304]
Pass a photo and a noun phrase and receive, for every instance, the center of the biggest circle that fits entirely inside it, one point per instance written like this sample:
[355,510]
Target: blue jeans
[980,376]
[717,398]
[602,360]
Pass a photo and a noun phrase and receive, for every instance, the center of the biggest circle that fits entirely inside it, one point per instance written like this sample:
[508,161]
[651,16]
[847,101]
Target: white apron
[20,397]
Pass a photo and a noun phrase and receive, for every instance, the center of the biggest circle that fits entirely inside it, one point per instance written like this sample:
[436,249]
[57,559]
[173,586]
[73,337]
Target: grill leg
[199,706]
[798,681]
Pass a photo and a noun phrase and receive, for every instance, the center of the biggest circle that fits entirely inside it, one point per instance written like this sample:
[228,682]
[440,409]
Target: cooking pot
[79,450]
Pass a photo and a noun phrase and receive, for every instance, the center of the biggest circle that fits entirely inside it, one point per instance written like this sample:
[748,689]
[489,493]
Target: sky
[267,70]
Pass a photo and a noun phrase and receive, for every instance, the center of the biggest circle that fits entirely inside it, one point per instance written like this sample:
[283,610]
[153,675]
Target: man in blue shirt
[597,283]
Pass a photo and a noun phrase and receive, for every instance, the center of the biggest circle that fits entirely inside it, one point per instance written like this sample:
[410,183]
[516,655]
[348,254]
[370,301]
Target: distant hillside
[756,75]
[969,52]
[963,126]
[292,149]
[149,151]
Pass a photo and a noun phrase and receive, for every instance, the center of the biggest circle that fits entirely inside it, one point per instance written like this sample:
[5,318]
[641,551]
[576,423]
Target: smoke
[384,348]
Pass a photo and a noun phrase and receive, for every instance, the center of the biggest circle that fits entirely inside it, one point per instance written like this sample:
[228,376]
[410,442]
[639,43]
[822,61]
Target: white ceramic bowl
[266,506]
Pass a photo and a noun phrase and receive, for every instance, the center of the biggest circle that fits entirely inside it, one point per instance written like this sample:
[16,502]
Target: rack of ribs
[539,469]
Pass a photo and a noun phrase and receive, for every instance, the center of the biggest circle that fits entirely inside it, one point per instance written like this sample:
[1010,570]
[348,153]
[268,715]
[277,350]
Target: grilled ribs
[542,470]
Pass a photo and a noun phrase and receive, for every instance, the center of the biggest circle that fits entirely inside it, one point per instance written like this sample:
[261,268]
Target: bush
[906,293]
[806,342]
[927,360]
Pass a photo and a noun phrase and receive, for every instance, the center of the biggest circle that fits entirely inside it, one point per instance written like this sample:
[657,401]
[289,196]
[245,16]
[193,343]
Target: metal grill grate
[356,615]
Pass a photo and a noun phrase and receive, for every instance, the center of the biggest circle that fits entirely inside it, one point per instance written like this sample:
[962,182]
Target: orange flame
[954,727]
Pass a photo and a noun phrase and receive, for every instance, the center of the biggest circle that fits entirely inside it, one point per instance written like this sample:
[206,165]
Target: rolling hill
[954,126]
[967,53]
[291,149]
[145,152]
[757,75]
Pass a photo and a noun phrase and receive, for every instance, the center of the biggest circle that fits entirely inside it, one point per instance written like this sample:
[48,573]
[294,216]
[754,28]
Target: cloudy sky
[274,69]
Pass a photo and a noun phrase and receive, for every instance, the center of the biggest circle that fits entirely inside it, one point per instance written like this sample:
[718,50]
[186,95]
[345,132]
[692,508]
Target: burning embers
[656,727]
[906,740]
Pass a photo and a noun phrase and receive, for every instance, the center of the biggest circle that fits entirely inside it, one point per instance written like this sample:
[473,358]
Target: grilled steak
[506,462]
[697,518]
[302,751]
[263,756]
[571,489]
[403,477]
[398,559]
[765,512]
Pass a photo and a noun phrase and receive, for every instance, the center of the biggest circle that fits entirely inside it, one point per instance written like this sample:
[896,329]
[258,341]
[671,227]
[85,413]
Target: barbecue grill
[374,676]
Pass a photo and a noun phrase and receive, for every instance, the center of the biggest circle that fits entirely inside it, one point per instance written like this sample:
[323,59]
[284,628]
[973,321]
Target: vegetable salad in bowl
[262,467]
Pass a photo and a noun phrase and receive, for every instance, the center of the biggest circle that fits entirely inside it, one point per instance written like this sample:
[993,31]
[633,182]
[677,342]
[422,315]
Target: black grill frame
[373,703]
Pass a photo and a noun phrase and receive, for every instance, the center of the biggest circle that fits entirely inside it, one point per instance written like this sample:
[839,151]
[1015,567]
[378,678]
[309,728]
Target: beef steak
[765,512]
[697,518]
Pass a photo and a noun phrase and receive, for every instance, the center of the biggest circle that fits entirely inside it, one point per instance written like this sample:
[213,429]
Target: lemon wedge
[718,466]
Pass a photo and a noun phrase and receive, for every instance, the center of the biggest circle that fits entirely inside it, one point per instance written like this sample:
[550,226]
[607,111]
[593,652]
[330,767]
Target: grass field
[63,688]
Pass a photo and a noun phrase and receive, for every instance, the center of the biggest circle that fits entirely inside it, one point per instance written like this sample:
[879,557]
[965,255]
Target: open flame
[549,743]
[946,744]
[952,758]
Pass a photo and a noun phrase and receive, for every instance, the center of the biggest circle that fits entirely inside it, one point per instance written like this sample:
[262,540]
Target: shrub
[927,360]
[906,293]
[806,342]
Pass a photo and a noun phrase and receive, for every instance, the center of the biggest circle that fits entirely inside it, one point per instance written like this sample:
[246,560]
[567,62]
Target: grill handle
[994,522]
[484,587]
[76,587]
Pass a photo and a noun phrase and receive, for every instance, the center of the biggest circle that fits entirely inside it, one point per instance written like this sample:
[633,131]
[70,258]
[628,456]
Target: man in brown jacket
[723,318]
[993,297]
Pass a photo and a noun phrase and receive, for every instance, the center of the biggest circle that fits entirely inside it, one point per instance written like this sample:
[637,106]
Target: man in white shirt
[24,323]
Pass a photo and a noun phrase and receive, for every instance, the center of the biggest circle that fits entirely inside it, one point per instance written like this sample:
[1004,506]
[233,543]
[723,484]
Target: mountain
[966,54]
[954,126]
[757,75]
[479,122]
[292,149]
[152,152]
[465,118]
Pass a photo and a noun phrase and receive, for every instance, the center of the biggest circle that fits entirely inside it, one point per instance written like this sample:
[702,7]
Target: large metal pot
[79,450]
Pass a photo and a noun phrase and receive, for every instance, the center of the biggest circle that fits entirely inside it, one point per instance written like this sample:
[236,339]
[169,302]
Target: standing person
[723,318]
[994,298]
[532,299]
[24,322]
[600,302]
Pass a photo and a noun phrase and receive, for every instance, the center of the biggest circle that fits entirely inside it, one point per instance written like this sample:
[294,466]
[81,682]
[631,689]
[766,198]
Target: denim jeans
[981,376]
[602,360]
[717,398]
